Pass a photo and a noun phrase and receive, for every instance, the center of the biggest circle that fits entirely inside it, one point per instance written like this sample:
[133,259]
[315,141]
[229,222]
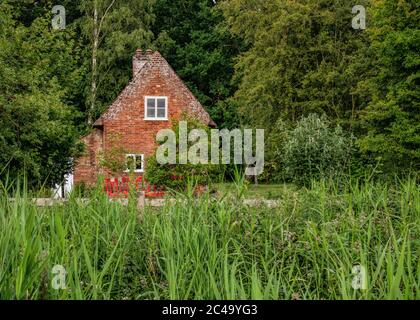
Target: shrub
[176,176]
[314,149]
[113,159]
[277,136]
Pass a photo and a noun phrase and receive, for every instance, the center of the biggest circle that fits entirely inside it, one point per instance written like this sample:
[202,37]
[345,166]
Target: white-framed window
[134,162]
[156,108]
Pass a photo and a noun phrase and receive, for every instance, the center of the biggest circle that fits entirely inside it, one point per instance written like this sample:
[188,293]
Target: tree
[112,30]
[37,132]
[391,114]
[298,58]
[197,44]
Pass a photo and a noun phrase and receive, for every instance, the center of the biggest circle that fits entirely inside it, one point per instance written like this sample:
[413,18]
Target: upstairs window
[134,162]
[156,108]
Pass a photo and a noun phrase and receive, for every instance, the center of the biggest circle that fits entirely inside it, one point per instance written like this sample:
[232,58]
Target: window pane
[161,113]
[161,108]
[151,108]
[139,162]
[161,103]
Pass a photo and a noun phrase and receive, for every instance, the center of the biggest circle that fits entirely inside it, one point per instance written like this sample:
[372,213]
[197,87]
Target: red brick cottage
[154,97]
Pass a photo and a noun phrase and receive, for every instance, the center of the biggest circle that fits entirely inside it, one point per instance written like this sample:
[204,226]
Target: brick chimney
[139,60]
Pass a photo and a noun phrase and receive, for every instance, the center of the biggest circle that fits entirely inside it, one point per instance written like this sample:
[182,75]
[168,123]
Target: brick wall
[86,167]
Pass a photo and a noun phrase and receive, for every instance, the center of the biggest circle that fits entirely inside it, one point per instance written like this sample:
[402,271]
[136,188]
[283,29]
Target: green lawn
[260,191]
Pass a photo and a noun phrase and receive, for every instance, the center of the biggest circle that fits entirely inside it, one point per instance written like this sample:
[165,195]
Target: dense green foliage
[37,131]
[299,58]
[304,57]
[217,248]
[314,150]
[391,118]
[110,41]
[192,38]
[311,149]
[178,176]
[262,64]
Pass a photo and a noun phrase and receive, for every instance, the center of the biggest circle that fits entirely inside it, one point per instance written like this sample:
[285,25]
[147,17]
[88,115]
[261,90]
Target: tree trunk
[94,63]
[63,185]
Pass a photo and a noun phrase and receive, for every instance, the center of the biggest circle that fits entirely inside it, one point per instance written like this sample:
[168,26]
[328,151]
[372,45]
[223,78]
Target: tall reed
[210,247]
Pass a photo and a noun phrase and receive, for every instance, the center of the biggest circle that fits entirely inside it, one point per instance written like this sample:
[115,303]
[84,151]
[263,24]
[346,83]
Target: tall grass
[216,248]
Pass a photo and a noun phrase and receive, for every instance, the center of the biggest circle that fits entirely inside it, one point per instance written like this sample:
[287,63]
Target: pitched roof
[142,68]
